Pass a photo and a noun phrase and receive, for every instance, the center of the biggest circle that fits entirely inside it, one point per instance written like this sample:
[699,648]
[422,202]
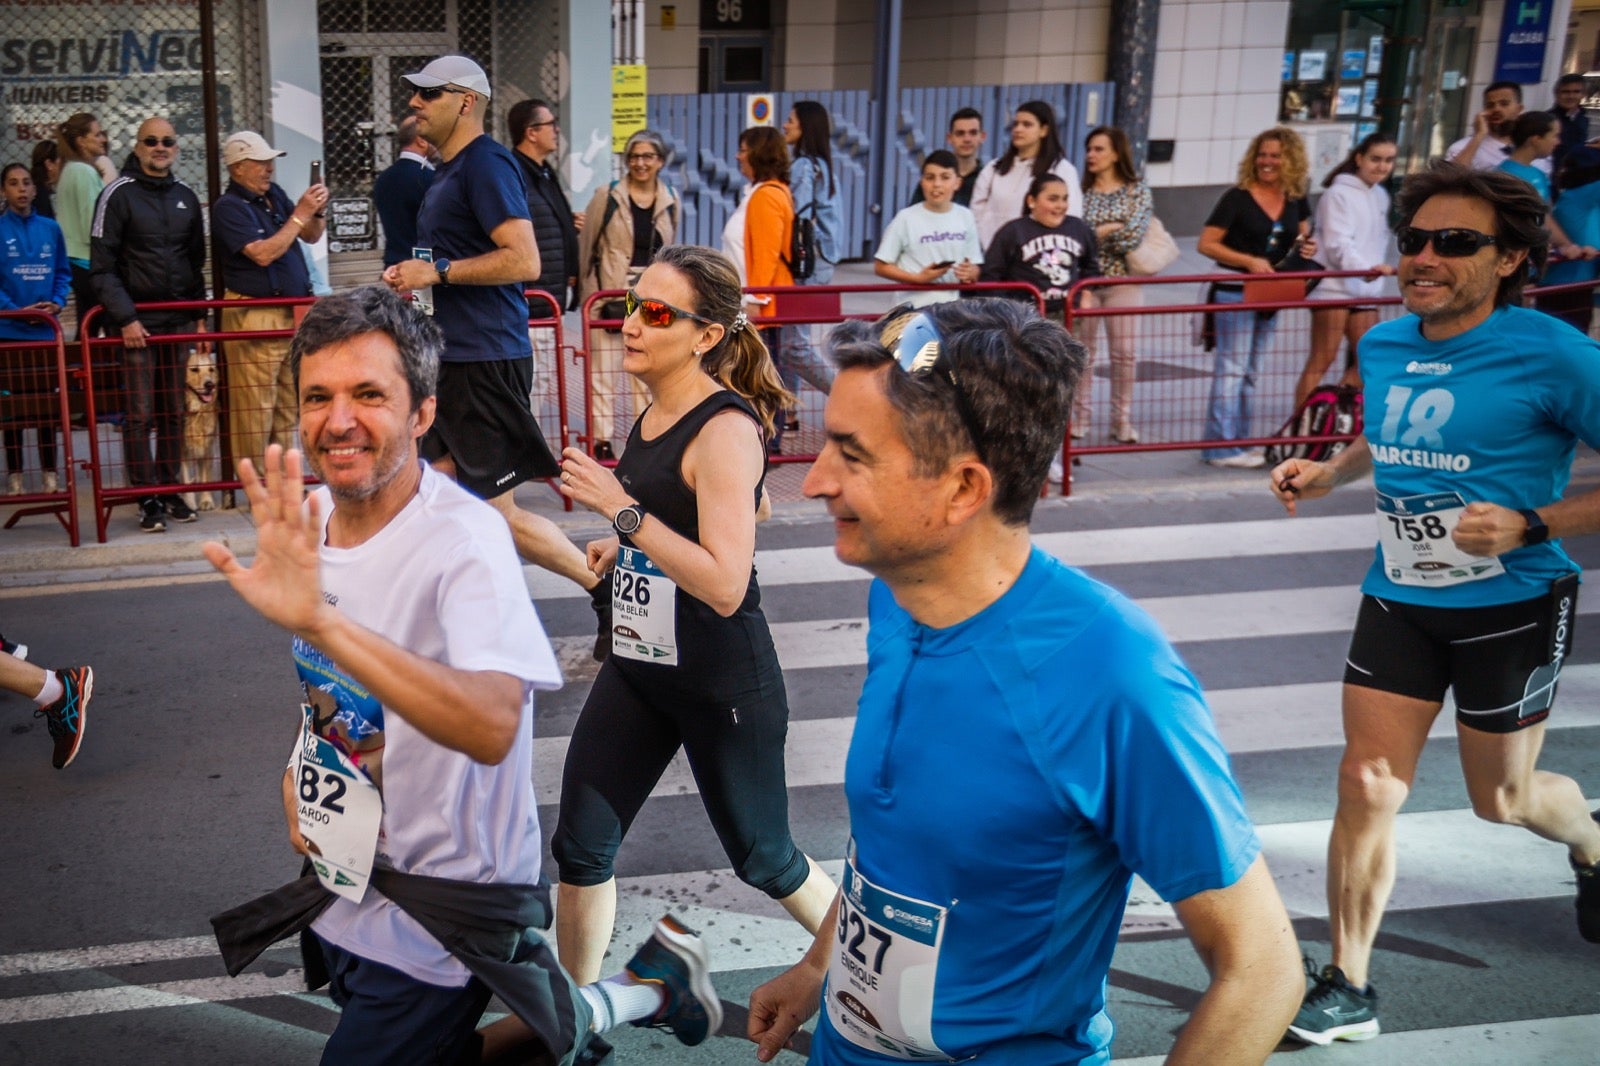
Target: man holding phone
[260,232]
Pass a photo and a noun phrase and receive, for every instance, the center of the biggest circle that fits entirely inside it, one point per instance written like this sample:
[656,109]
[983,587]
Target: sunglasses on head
[1452,243]
[165,142]
[434,92]
[920,350]
[657,313]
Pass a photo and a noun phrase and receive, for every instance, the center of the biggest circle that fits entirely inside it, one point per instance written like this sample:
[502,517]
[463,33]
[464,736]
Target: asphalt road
[171,812]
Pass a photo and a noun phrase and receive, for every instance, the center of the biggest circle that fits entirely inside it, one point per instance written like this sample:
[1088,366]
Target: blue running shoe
[675,958]
[65,716]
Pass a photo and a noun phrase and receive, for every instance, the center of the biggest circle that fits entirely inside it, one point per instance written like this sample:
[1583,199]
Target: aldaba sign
[1524,33]
[121,60]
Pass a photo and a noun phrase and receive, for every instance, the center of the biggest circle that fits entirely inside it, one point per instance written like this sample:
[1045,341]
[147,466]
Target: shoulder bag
[1155,253]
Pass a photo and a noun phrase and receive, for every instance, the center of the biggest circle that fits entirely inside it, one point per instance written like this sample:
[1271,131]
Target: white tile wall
[1217,69]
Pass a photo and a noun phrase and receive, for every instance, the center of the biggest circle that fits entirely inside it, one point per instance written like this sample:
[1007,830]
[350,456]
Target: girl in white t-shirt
[1003,183]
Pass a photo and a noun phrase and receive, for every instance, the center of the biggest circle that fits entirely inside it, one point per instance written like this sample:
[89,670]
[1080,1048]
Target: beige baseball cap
[247,145]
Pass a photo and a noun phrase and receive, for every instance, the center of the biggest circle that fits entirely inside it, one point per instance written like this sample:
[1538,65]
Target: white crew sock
[53,688]
[621,998]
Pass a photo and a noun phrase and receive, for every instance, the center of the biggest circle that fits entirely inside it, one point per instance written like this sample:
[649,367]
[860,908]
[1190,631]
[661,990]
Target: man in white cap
[475,249]
[259,232]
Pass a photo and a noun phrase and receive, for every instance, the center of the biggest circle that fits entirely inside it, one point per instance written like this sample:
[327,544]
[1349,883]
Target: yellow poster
[627,103]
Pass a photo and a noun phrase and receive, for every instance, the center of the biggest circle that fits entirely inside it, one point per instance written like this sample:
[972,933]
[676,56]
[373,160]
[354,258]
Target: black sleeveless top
[652,472]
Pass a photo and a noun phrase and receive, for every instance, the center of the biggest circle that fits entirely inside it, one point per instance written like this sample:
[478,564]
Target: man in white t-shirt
[419,653]
[1490,142]
[934,242]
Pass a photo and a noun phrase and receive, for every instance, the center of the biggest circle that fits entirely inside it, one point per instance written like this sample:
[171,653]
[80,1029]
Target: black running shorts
[1501,661]
[485,425]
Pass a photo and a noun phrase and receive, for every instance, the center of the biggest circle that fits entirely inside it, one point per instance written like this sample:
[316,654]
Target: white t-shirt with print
[919,237]
[443,581]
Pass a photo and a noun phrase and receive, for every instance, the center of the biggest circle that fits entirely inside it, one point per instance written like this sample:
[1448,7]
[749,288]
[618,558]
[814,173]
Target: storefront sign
[1354,65]
[1524,32]
[350,225]
[628,103]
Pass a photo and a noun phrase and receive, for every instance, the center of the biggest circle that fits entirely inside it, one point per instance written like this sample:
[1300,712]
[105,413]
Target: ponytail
[739,360]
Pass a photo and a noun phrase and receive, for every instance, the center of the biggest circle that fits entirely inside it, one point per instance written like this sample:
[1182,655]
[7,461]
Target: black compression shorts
[484,424]
[1502,662]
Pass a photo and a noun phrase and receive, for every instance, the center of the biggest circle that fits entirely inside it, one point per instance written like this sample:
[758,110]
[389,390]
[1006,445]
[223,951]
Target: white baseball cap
[247,145]
[451,70]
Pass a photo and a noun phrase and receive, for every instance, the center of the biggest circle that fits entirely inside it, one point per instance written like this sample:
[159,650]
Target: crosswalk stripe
[1571,1039]
[1441,866]
[1264,718]
[1089,547]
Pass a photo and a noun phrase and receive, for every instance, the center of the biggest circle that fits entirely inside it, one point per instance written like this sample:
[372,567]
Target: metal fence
[703,133]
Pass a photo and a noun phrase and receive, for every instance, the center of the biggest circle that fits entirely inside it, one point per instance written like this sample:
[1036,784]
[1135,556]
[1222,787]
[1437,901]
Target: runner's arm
[514,260]
[782,1005]
[1242,934]
[1490,529]
[1306,479]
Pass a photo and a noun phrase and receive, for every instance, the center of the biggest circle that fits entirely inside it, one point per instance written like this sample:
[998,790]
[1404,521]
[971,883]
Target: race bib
[339,811]
[880,982]
[644,614]
[1414,533]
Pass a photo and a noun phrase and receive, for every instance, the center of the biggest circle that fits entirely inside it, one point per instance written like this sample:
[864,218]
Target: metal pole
[886,109]
[1131,67]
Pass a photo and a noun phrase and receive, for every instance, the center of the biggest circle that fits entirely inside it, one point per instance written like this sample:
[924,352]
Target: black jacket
[553,230]
[147,243]
[398,194]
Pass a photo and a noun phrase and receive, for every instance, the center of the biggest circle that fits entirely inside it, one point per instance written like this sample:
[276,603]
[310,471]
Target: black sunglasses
[434,92]
[1453,243]
[657,313]
[165,142]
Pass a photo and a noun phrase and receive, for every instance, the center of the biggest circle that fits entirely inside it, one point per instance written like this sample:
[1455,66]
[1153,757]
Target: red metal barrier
[817,305]
[1175,373]
[103,376]
[36,393]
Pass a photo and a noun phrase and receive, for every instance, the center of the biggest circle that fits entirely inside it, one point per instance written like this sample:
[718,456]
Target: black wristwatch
[443,267]
[1537,532]
[628,520]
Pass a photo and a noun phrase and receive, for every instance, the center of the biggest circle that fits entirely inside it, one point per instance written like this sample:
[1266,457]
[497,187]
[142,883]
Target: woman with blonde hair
[80,143]
[684,595]
[627,224]
[1253,228]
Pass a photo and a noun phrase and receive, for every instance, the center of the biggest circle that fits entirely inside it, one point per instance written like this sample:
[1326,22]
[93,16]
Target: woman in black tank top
[692,663]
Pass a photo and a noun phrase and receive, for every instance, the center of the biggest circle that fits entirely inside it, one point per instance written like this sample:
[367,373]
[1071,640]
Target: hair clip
[740,321]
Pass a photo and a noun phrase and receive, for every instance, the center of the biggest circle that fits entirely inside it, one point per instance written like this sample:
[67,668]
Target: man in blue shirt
[1474,409]
[260,232]
[399,190]
[1026,740]
[477,249]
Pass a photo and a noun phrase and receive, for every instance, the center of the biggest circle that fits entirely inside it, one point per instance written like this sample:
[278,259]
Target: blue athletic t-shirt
[471,195]
[1532,175]
[1494,415]
[1018,768]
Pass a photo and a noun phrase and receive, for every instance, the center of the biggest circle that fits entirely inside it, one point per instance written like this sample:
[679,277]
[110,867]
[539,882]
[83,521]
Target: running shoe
[176,509]
[675,958]
[1588,897]
[1334,1010]
[18,651]
[67,714]
[1240,461]
[600,600]
[152,516]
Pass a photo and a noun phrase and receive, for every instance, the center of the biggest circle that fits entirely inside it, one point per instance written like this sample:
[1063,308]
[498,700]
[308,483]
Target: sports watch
[443,267]
[628,520]
[1537,532]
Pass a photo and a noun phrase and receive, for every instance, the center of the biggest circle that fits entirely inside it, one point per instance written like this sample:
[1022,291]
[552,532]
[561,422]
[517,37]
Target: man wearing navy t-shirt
[475,249]
[1026,740]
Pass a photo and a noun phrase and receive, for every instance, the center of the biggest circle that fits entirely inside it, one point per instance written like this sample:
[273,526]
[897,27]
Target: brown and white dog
[199,427]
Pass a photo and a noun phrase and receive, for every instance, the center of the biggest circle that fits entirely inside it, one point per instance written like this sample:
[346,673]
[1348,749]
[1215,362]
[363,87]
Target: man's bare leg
[1384,734]
[1505,787]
